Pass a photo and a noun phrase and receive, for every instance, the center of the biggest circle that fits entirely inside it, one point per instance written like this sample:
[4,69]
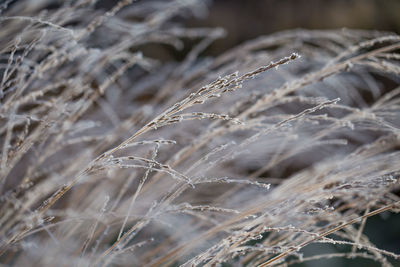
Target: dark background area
[245,20]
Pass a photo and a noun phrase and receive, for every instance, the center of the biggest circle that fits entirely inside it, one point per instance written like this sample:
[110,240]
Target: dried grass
[114,157]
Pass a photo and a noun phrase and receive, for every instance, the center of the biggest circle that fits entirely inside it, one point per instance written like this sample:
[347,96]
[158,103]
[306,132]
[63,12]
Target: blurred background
[244,20]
